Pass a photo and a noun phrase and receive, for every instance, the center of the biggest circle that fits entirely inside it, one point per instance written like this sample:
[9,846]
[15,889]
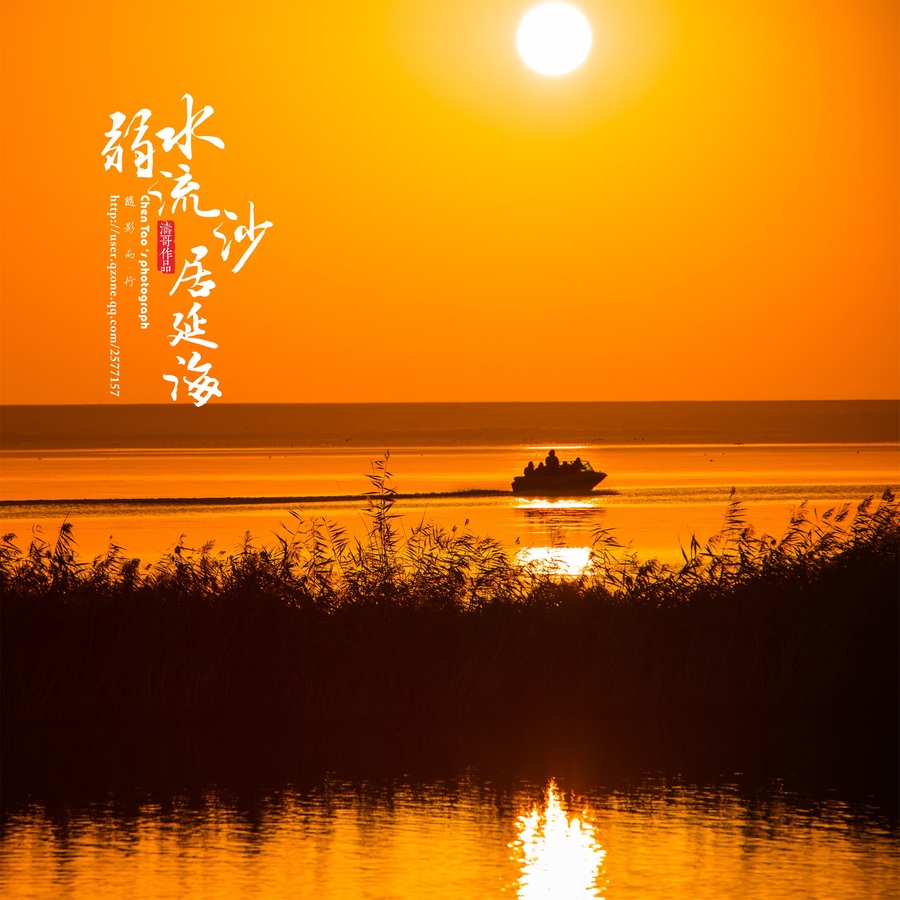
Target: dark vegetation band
[428,623]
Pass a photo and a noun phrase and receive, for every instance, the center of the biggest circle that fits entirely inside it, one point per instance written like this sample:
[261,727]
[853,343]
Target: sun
[554,38]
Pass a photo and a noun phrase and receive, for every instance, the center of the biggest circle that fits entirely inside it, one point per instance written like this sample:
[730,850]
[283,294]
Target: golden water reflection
[539,505]
[562,518]
[663,838]
[571,561]
[557,851]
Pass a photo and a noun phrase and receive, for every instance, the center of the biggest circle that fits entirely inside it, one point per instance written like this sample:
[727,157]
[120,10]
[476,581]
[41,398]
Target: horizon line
[163,404]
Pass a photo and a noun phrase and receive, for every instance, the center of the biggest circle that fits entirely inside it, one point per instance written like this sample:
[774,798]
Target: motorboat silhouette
[567,479]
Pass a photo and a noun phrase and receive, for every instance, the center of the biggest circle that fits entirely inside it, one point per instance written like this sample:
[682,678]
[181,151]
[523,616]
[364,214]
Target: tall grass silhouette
[416,622]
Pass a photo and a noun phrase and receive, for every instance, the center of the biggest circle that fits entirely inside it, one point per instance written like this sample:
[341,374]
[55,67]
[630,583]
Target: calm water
[722,811]
[653,497]
[575,820]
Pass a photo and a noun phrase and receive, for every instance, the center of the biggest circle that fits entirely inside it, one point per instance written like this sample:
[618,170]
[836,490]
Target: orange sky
[707,209]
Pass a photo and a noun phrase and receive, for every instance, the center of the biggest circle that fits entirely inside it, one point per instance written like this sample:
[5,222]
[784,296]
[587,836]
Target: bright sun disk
[554,38]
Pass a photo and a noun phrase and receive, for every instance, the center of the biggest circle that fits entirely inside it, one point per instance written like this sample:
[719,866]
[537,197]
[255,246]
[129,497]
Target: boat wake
[253,501]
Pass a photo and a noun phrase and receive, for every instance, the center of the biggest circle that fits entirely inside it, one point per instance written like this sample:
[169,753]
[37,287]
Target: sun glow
[554,38]
[568,561]
[558,852]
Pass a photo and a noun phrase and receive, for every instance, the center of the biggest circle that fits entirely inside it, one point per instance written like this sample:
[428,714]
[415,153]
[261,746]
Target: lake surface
[706,810]
[653,497]
[595,814]
[670,469]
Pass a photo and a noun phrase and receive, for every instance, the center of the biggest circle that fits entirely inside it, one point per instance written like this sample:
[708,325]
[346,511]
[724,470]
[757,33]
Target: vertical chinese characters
[177,192]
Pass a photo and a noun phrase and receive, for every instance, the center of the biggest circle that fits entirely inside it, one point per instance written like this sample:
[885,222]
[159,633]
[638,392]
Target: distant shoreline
[353,425]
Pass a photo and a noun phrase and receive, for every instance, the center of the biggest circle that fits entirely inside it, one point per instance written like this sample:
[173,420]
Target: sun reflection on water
[557,851]
[540,505]
[556,560]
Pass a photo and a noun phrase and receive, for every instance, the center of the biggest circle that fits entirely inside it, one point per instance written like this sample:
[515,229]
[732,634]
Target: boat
[572,479]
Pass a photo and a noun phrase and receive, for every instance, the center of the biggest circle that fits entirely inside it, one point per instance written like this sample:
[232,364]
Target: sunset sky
[708,208]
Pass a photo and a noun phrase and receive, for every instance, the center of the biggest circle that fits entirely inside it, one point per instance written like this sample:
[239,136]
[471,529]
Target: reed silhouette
[417,623]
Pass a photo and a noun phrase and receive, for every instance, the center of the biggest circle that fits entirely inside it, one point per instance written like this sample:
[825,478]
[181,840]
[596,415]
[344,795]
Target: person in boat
[578,464]
[552,462]
[541,469]
[529,469]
